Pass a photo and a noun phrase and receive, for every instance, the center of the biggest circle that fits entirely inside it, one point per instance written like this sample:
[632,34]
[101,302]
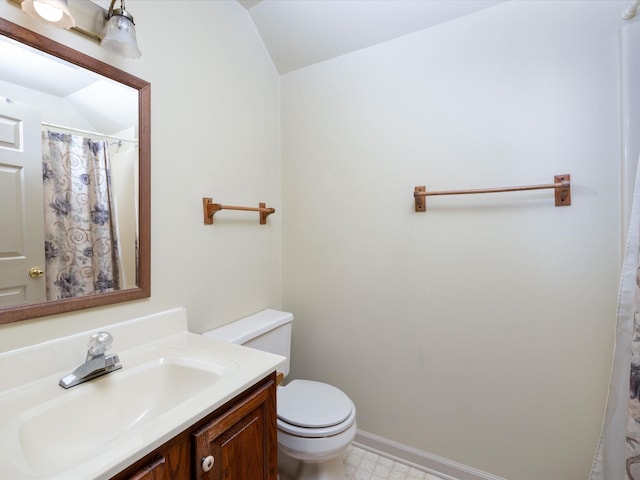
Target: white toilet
[316,421]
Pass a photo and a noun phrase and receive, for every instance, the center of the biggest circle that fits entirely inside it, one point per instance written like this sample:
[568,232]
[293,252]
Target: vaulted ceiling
[298,33]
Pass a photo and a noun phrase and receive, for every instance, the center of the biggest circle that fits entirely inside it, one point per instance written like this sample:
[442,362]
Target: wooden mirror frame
[143,276]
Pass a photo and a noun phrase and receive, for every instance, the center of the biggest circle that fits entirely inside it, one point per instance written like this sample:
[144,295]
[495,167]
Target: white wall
[630,114]
[482,330]
[215,133]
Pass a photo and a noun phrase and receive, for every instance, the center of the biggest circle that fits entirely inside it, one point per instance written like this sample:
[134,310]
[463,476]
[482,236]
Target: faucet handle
[98,344]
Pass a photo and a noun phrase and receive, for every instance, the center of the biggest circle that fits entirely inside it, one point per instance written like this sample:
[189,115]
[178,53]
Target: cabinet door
[241,443]
[171,461]
[153,471]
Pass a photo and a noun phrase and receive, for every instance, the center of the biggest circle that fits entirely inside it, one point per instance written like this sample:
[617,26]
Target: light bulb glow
[48,12]
[53,12]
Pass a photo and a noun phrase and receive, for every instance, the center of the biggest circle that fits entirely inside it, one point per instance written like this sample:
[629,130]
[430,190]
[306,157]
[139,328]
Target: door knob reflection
[36,272]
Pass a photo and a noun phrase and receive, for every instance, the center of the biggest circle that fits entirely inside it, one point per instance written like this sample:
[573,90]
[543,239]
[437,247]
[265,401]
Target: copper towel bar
[561,185]
[210,209]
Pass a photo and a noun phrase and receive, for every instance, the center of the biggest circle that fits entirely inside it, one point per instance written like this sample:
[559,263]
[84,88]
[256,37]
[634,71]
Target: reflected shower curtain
[81,238]
[618,453]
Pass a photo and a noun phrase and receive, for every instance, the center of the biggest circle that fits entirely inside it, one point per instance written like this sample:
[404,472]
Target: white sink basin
[82,421]
[94,430]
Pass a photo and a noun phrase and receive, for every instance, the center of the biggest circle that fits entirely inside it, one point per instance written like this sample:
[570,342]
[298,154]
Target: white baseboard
[419,459]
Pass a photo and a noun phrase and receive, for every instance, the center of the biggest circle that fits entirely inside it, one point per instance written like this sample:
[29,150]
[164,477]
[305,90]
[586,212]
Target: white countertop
[32,448]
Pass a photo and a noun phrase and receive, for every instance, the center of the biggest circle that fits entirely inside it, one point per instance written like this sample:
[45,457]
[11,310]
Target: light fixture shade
[121,35]
[53,12]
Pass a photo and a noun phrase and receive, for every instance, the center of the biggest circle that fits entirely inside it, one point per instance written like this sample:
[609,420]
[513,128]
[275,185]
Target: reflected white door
[21,210]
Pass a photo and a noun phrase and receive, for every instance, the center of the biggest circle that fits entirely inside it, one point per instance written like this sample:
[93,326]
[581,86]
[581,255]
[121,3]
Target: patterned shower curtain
[81,238]
[618,453]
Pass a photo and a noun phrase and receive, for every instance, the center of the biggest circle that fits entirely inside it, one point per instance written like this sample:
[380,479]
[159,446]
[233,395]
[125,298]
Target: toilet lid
[309,404]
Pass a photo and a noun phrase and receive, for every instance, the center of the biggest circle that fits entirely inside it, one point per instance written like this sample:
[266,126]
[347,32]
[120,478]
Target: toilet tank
[268,330]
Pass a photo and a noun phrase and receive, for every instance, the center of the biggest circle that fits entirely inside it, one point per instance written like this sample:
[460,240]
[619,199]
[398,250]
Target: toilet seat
[314,409]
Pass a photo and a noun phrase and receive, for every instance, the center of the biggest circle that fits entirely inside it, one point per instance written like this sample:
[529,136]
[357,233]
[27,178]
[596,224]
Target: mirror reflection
[69,182]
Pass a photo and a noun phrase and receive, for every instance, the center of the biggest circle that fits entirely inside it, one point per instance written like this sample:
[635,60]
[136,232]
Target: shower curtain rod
[89,132]
[561,185]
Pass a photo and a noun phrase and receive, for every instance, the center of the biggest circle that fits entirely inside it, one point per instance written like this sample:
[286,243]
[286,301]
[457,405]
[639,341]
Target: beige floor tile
[363,465]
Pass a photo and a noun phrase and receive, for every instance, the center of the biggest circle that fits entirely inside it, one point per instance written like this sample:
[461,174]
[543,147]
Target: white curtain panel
[618,453]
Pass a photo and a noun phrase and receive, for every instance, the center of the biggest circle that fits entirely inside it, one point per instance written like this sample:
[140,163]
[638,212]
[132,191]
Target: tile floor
[363,465]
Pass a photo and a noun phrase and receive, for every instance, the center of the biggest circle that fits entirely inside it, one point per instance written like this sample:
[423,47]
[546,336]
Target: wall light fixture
[121,32]
[113,28]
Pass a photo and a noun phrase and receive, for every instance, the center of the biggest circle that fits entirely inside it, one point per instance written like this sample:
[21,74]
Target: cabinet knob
[207,463]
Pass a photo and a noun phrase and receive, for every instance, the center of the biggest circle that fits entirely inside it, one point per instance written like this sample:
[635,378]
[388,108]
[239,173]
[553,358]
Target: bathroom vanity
[238,440]
[182,406]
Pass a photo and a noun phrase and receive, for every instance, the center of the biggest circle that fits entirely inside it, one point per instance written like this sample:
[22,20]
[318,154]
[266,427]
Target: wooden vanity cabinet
[238,441]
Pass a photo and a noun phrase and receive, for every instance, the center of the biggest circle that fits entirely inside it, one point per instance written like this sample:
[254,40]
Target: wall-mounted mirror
[74,179]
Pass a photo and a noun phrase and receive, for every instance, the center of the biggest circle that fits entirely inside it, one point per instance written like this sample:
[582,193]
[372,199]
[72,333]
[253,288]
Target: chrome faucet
[96,363]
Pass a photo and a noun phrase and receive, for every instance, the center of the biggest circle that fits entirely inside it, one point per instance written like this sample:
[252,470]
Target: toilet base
[290,468]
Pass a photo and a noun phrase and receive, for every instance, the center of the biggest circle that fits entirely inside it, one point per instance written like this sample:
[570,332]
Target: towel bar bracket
[563,193]
[421,201]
